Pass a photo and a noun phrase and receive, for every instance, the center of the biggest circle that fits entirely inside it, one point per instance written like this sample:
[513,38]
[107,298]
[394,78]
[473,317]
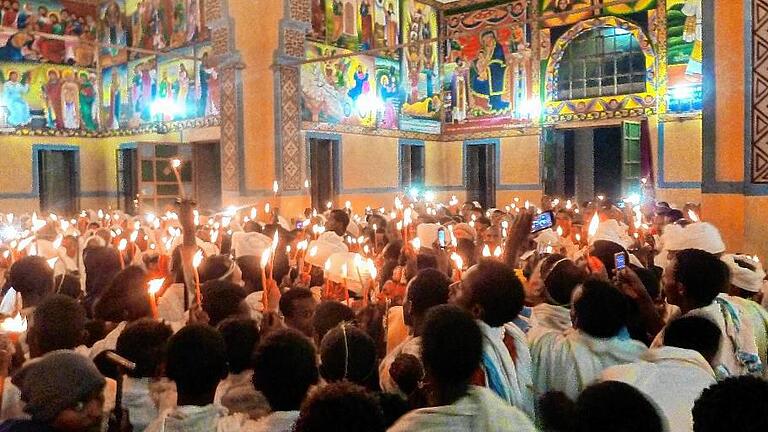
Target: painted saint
[70,103]
[87,100]
[366,25]
[114,101]
[14,91]
[488,76]
[692,32]
[52,96]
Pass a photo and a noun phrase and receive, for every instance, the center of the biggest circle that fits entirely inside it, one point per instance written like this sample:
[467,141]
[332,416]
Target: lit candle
[264,263]
[486,251]
[275,241]
[693,216]
[175,165]
[416,243]
[497,252]
[14,327]
[154,288]
[121,248]
[459,263]
[196,261]
[275,188]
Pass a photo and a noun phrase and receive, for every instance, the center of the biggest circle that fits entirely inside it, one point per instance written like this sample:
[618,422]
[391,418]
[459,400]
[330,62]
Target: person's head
[241,336]
[144,342]
[491,292]
[298,308]
[694,279]
[70,245]
[328,315]
[560,277]
[341,407]
[428,289]
[31,277]
[348,353]
[735,404]
[126,298]
[599,309]
[196,362]
[615,406]
[220,267]
[222,300]
[63,390]
[606,251]
[69,285]
[58,324]
[451,346]
[338,221]
[694,333]
[284,369]
[101,265]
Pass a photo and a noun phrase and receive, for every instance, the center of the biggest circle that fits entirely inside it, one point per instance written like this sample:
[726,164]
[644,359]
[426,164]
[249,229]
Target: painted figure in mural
[209,87]
[114,101]
[362,86]
[87,100]
[318,19]
[113,28]
[165,94]
[179,36]
[193,19]
[52,95]
[337,12]
[10,14]
[488,77]
[70,101]
[692,32]
[366,20]
[13,48]
[14,91]
[137,24]
[392,27]
[389,92]
[460,105]
[146,93]
[182,90]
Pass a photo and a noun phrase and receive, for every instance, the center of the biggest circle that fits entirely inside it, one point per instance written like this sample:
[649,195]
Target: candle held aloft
[154,287]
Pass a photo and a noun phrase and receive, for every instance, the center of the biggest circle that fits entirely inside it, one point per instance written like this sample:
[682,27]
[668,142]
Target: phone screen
[441,237]
[543,221]
[621,261]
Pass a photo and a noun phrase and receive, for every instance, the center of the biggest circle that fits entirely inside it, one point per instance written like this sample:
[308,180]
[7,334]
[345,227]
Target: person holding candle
[298,307]
[32,281]
[222,300]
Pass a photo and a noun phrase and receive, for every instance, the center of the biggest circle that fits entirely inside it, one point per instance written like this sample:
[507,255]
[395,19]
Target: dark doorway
[127,180]
[480,174]
[323,166]
[207,174]
[608,161]
[58,181]
[411,165]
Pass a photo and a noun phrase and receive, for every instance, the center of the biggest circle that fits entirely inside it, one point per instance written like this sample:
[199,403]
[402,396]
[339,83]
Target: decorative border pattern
[759,93]
[158,128]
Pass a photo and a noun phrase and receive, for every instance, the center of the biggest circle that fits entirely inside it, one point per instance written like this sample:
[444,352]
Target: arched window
[604,61]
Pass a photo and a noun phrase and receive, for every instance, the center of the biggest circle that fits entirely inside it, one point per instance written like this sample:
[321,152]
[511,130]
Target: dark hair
[59,323]
[735,404]
[694,333]
[241,335]
[221,300]
[649,279]
[601,310]
[328,315]
[407,372]
[495,287]
[451,344]
[617,407]
[606,251]
[426,261]
[340,407]
[126,298]
[293,295]
[250,266]
[68,284]
[101,266]
[702,274]
[340,216]
[144,342]
[427,289]
[284,368]
[214,267]
[197,359]
[31,277]
[348,353]
[562,277]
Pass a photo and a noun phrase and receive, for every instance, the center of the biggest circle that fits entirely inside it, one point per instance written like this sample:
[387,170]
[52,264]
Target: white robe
[188,418]
[479,410]
[672,378]
[546,317]
[571,361]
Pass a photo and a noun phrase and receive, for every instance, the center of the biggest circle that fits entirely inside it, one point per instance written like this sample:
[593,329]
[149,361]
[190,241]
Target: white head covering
[464,231]
[548,237]
[742,277]
[427,234]
[336,272]
[700,235]
[326,245]
[610,230]
[250,244]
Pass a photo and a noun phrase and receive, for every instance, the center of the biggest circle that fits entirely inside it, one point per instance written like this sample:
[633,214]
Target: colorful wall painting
[420,70]
[319,25]
[40,96]
[684,55]
[390,93]
[114,96]
[163,24]
[341,91]
[488,68]
[629,8]
[387,25]
[176,90]
[142,79]
[207,80]
[343,21]
[578,10]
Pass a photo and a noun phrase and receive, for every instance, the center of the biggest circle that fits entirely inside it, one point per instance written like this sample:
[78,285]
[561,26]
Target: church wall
[369,163]
[519,162]
[444,164]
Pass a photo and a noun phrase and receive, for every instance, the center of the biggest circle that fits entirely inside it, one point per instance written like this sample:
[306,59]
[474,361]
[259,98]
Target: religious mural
[629,8]
[114,96]
[684,55]
[420,70]
[488,68]
[163,24]
[176,86]
[577,10]
[341,91]
[387,26]
[390,93]
[38,96]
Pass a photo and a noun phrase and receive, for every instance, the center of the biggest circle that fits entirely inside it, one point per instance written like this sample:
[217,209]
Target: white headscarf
[742,277]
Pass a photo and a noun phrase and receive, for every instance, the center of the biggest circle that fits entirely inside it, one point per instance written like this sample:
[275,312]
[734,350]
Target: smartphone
[300,225]
[441,238]
[543,221]
[621,261]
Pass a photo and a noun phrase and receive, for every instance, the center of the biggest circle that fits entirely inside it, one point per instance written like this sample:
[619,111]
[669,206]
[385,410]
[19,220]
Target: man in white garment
[452,349]
[694,282]
[428,289]
[559,277]
[492,293]
[674,375]
[570,361]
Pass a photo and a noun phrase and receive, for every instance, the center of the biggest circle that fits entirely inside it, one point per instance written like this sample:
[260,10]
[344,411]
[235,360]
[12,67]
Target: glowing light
[214,236]
[429,196]
[57,242]
[328,205]
[348,205]
[497,252]
[681,92]
[306,184]
[416,243]
[176,163]
[134,236]
[265,258]
[313,251]
[457,260]
[486,251]
[568,204]
[52,262]
[9,217]
[693,216]
[254,213]
[155,285]
[527,205]
[122,245]
[372,269]
[267,209]
[328,265]
[593,225]
[197,259]
[633,199]
[559,231]
[17,324]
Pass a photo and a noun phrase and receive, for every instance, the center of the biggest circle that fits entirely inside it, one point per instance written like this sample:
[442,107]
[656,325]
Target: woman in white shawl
[559,276]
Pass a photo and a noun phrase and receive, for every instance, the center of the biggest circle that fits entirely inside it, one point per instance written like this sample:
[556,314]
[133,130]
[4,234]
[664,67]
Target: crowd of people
[615,317]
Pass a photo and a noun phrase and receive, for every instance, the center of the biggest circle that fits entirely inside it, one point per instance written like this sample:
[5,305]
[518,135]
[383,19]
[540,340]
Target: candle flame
[416,243]
[275,240]
[578,237]
[306,184]
[328,205]
[328,265]
[693,216]
[176,163]
[594,224]
[348,205]
[497,252]
[313,251]
[399,226]
[197,259]
[372,269]
[398,203]
[122,245]
[52,262]
[134,236]
[275,186]
[254,213]
[267,208]
[457,260]
[17,324]
[57,242]
[302,245]
[155,285]
[265,258]
[559,231]
[214,236]
[486,251]
[366,249]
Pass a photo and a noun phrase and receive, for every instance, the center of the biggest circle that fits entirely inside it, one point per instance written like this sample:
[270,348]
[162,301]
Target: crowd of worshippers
[429,317]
